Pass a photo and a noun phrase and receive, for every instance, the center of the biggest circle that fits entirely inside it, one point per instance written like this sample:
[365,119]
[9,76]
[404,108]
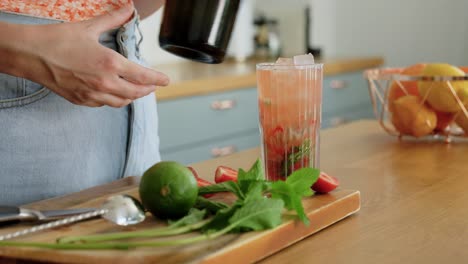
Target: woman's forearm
[14,36]
[68,59]
[147,7]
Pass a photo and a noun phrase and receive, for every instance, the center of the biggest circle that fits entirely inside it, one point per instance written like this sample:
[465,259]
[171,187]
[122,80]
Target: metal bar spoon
[122,210]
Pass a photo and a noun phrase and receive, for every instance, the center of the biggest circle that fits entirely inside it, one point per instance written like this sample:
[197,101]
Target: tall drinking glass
[290,100]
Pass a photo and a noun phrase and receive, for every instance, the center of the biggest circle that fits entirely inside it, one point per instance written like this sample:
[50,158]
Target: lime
[168,190]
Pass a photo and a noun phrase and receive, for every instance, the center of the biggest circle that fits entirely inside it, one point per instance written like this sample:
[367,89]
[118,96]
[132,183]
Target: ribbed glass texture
[290,107]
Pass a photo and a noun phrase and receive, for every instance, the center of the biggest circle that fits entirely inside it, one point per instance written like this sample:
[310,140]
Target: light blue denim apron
[50,147]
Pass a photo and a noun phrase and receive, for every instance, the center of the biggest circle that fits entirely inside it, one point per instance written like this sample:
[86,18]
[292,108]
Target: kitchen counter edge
[213,82]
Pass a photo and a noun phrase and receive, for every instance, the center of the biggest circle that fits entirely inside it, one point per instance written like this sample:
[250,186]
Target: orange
[462,121]
[409,87]
[412,117]
[464,68]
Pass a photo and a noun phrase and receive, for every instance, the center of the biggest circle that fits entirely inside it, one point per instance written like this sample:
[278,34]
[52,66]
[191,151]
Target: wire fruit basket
[431,106]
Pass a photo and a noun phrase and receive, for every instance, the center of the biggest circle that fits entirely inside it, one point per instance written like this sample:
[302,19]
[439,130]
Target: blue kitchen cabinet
[198,119]
[345,98]
[207,126]
[203,127]
[212,149]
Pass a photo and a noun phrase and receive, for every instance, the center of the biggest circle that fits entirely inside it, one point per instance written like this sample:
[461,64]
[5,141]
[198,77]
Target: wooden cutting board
[322,210]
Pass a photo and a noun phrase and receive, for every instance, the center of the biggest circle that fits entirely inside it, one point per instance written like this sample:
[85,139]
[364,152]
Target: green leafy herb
[258,214]
[292,201]
[227,186]
[256,190]
[194,216]
[255,173]
[259,206]
[192,221]
[296,186]
[301,180]
[221,219]
[210,205]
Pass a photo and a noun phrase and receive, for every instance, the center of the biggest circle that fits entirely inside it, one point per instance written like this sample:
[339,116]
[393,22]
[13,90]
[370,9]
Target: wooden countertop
[192,78]
[413,199]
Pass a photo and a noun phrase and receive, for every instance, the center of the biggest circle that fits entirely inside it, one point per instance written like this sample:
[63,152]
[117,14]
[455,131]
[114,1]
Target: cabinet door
[214,149]
[348,115]
[345,98]
[207,118]
[344,91]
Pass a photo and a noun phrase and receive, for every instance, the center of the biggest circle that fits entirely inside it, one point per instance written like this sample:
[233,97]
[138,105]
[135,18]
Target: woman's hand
[68,59]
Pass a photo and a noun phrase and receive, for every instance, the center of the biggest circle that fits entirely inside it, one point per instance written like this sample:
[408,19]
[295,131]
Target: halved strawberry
[325,183]
[224,173]
[201,182]
[194,172]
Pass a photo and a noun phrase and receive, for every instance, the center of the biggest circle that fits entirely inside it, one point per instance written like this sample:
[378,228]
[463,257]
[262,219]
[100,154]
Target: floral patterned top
[67,10]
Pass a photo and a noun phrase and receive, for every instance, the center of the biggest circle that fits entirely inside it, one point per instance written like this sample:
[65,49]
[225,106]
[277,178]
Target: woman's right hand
[68,59]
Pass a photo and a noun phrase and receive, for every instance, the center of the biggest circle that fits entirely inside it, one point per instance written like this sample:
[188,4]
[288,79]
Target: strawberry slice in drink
[302,163]
[274,143]
[274,170]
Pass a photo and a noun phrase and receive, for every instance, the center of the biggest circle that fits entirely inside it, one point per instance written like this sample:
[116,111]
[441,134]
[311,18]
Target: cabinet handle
[338,84]
[223,151]
[223,104]
[336,121]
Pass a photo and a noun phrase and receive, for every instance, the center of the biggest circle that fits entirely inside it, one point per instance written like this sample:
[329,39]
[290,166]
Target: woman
[76,108]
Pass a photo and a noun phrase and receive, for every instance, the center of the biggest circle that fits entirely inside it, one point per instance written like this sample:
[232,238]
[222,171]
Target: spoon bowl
[123,210]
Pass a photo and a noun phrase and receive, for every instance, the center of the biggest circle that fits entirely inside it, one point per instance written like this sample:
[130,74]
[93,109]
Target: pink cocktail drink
[290,99]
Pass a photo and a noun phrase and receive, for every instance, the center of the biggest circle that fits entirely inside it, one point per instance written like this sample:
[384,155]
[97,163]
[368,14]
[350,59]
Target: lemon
[439,94]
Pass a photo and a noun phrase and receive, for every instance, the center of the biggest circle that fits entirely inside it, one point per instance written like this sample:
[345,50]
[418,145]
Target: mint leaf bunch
[252,184]
[296,186]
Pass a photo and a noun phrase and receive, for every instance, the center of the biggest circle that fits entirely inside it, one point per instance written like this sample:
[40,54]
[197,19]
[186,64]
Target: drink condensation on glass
[290,99]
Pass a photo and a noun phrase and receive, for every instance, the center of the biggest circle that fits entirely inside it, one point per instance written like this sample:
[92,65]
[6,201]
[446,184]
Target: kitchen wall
[403,31]
[291,18]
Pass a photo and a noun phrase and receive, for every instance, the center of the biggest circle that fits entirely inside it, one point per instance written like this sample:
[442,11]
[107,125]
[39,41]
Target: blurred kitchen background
[403,32]
[209,111]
